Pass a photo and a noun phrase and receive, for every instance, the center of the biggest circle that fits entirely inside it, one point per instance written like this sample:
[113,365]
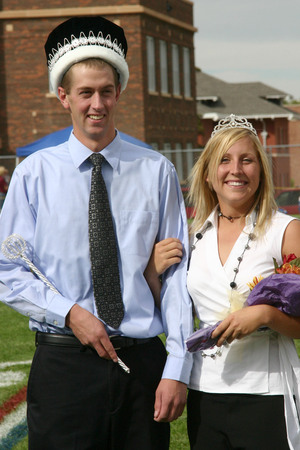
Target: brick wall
[168,118]
[178,9]
[28,112]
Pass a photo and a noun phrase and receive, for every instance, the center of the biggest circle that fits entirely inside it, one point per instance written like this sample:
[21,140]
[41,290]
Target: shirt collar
[213,219]
[80,153]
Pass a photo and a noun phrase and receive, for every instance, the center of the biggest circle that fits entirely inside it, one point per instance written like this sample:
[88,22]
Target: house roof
[217,99]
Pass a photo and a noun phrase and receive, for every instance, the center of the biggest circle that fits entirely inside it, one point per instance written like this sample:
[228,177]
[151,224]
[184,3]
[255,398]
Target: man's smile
[95,117]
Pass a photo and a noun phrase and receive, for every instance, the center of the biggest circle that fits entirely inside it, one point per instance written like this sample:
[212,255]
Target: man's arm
[176,306]
[171,394]
[23,291]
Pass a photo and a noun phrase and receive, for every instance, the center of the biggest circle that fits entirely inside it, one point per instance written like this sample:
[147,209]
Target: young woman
[242,392]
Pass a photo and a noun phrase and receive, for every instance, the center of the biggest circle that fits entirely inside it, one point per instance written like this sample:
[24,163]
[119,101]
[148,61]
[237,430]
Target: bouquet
[281,290]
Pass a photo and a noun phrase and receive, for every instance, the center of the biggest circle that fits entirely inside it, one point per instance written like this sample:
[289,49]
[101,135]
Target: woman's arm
[291,239]
[247,320]
[165,253]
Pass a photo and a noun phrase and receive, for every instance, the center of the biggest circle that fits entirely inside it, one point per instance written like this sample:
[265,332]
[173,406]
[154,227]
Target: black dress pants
[79,401]
[236,422]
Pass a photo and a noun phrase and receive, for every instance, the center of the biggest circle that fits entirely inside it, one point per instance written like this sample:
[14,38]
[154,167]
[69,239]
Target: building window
[163,58]
[151,63]
[178,159]
[167,152]
[189,157]
[186,72]
[175,69]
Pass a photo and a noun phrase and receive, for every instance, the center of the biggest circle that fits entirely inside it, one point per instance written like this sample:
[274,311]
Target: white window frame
[150,44]
[189,157]
[167,150]
[178,159]
[187,72]
[163,62]
[175,69]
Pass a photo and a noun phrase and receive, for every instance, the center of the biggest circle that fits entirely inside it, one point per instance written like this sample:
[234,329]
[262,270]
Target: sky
[250,40]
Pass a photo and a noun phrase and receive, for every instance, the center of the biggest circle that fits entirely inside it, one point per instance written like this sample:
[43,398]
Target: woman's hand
[165,253]
[247,320]
[242,323]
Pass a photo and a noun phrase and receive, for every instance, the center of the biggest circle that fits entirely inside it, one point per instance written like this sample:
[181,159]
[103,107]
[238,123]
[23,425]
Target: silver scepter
[14,247]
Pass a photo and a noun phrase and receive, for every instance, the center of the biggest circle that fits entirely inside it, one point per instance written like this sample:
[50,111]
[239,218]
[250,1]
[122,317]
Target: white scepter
[14,247]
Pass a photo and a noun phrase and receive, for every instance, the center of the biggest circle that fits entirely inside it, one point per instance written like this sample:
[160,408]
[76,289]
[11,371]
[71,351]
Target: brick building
[294,135]
[158,106]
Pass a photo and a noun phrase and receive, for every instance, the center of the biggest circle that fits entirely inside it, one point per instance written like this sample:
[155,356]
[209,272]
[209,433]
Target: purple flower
[279,290]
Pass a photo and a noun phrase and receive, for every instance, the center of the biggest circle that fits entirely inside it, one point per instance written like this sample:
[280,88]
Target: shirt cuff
[178,368]
[58,309]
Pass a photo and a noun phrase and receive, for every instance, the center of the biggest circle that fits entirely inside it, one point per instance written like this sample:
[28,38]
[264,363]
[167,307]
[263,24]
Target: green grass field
[17,344]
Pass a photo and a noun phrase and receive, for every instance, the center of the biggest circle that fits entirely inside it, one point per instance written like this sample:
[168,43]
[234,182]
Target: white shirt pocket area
[138,230]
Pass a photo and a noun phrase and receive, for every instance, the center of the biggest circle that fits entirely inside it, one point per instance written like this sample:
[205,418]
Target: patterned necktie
[103,250]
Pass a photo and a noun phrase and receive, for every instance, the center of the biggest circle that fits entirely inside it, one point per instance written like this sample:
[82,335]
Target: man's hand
[170,400]
[90,331]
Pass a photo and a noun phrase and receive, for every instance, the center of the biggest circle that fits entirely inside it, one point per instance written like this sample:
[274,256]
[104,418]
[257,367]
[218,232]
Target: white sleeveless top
[252,365]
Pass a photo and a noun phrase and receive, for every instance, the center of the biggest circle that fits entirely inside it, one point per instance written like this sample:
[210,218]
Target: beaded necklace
[212,353]
[230,218]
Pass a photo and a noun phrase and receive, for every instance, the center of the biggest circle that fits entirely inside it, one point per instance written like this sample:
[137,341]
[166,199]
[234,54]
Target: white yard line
[10,377]
[14,363]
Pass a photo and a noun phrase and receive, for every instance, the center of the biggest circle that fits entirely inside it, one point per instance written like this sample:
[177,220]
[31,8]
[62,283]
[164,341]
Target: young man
[79,397]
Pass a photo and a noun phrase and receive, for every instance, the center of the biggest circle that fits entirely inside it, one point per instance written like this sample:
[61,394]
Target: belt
[67,340]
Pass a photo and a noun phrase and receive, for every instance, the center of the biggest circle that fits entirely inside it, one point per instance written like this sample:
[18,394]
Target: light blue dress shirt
[47,204]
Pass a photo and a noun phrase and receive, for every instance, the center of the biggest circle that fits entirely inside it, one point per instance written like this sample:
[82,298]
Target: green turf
[22,445]
[15,333]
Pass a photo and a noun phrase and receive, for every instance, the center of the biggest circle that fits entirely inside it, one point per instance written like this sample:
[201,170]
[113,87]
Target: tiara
[233,121]
[83,41]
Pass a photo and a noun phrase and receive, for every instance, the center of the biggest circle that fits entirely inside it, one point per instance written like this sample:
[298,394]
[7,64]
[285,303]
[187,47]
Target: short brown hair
[92,63]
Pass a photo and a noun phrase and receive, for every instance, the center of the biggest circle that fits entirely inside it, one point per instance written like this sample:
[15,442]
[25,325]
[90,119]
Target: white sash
[290,375]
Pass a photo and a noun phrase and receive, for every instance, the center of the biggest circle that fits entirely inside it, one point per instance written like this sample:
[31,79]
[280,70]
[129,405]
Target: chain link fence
[284,162]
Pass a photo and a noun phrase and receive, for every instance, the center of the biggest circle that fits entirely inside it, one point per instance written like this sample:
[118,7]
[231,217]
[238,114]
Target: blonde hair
[94,63]
[201,193]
